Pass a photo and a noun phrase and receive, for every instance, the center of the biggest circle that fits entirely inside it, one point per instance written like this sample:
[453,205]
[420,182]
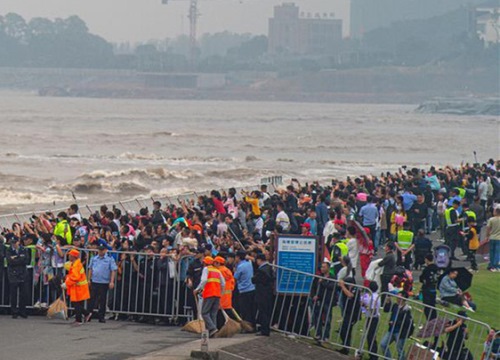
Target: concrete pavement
[38,338]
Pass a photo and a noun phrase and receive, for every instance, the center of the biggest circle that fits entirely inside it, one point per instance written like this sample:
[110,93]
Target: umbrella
[361,234]
[433,328]
[463,280]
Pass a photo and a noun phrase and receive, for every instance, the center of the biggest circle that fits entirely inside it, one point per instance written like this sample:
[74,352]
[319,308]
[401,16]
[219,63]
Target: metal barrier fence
[360,321]
[125,205]
[145,285]
[311,314]
[492,346]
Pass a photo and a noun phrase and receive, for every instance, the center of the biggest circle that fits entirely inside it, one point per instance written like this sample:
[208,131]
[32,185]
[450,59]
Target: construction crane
[193,15]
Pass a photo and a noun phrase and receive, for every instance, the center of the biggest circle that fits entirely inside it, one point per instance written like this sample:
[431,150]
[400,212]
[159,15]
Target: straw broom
[246,327]
[230,328]
[195,326]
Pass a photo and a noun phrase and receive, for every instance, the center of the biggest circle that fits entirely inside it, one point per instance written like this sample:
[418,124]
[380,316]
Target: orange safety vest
[77,285]
[226,300]
[213,286]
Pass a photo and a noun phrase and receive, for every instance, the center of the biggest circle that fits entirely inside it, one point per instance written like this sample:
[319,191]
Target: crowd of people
[220,248]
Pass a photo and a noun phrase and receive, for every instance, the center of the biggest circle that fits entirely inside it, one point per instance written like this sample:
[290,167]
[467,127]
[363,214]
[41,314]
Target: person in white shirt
[282,218]
[352,245]
[482,190]
[329,228]
[258,223]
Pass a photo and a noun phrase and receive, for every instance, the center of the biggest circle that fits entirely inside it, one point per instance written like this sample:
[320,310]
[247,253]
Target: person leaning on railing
[351,313]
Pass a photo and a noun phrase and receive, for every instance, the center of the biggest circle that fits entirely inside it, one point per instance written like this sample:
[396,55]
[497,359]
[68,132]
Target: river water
[105,149]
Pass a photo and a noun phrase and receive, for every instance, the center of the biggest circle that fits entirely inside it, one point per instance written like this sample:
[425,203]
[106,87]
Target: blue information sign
[296,253]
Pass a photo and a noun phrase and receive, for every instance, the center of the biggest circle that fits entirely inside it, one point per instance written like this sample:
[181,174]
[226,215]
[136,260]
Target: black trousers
[346,331]
[429,298]
[79,310]
[265,309]
[385,280]
[247,306]
[98,295]
[451,238]
[406,262]
[18,309]
[371,336]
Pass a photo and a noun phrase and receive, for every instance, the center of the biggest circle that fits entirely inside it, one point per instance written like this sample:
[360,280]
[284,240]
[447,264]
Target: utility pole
[193,16]
[193,22]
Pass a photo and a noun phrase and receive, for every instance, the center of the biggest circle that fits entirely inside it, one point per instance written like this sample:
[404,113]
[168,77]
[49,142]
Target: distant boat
[461,106]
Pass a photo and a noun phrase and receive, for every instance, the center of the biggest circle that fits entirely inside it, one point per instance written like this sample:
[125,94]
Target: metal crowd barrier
[433,336]
[492,346]
[366,332]
[308,316]
[145,285]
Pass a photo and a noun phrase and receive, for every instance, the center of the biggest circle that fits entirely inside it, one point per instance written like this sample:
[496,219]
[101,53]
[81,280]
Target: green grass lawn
[485,292]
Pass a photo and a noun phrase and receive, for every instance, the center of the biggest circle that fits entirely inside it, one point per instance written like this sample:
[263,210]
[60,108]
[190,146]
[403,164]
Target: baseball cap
[208,260]
[220,260]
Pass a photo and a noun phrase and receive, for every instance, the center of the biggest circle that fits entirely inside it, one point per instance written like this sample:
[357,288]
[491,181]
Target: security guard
[452,227]
[211,286]
[102,273]
[339,250]
[17,272]
[404,245]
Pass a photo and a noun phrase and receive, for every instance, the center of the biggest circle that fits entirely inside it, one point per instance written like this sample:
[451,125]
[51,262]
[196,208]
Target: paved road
[38,338]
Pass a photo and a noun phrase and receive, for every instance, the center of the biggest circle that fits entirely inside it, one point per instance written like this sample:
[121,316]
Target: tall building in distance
[296,33]
[367,15]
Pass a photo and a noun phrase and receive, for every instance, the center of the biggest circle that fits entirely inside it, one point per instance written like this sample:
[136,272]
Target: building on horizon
[488,24]
[368,15]
[298,33]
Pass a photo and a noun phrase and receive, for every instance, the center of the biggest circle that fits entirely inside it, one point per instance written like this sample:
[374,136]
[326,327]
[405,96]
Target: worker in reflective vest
[226,302]
[211,286]
[339,250]
[452,235]
[467,213]
[76,285]
[404,245]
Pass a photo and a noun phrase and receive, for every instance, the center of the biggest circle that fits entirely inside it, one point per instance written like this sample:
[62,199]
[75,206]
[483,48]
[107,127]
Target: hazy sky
[140,20]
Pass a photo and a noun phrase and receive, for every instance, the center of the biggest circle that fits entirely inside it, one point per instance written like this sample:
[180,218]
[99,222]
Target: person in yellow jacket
[211,286]
[76,285]
[472,242]
[62,228]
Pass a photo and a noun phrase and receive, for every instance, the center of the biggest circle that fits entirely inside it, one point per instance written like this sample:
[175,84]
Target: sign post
[295,253]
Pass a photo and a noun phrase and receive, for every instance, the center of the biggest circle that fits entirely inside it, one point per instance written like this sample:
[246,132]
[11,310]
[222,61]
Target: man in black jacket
[17,260]
[429,279]
[389,264]
[264,280]
[351,312]
[193,279]
[323,293]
